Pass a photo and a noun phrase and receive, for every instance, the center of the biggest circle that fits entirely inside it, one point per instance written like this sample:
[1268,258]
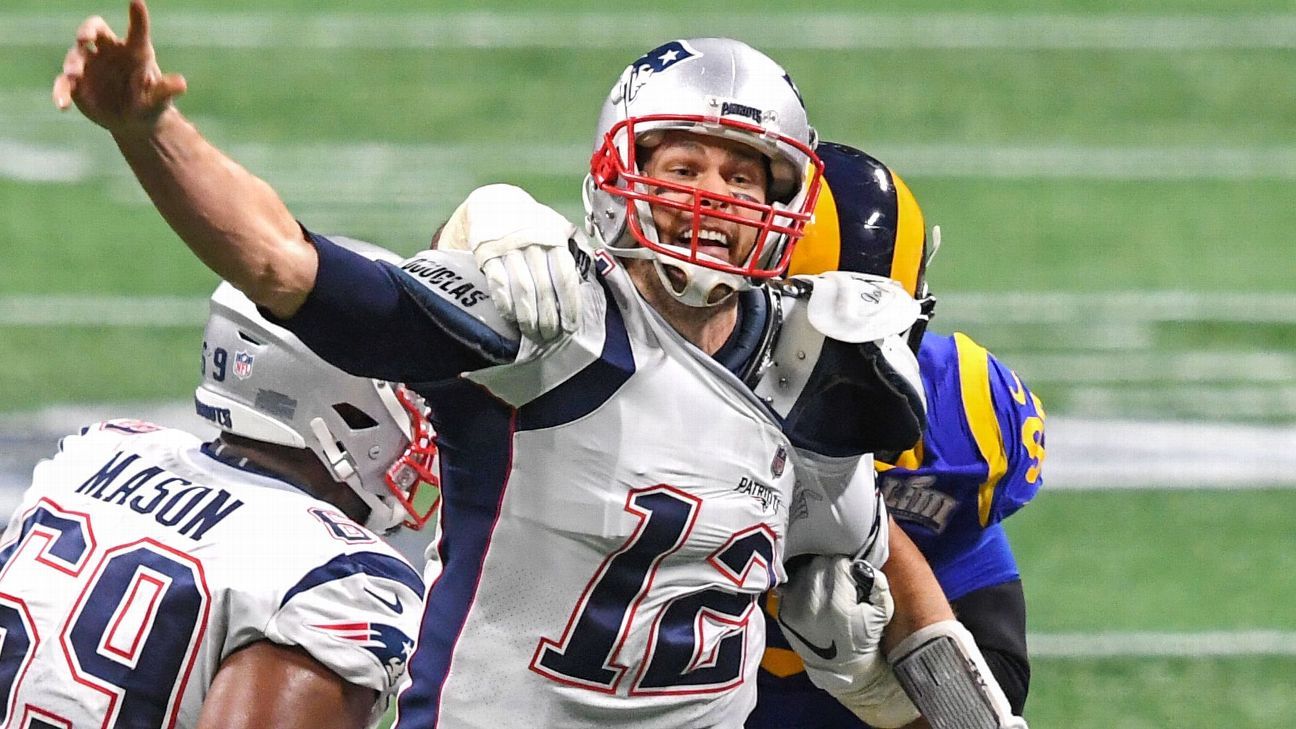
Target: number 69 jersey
[138,561]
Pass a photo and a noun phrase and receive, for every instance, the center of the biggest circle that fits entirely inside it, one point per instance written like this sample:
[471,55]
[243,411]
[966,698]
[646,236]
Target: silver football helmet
[261,382]
[713,86]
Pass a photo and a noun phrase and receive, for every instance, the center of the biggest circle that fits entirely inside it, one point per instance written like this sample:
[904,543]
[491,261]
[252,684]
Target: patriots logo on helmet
[653,62]
[387,643]
[242,364]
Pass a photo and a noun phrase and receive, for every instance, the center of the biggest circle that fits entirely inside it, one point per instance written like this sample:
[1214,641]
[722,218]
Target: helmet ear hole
[354,417]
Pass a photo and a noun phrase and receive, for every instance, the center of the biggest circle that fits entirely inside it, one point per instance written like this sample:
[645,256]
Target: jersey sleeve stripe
[369,563]
[978,407]
[588,389]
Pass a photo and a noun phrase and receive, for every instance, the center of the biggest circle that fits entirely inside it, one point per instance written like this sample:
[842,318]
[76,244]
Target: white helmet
[719,87]
[261,382]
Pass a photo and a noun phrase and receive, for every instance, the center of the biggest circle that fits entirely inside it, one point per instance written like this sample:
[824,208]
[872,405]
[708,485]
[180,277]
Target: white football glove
[833,611]
[521,246]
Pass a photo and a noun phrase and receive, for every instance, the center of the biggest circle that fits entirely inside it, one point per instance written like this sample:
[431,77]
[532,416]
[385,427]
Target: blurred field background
[1115,182]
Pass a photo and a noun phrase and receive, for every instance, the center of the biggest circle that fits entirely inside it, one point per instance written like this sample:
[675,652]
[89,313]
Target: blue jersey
[978,462]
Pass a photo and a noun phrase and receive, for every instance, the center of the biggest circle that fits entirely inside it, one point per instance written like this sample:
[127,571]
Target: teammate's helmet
[712,86]
[867,221]
[261,382]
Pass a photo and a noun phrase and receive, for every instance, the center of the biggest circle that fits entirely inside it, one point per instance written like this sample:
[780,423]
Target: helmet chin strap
[700,282]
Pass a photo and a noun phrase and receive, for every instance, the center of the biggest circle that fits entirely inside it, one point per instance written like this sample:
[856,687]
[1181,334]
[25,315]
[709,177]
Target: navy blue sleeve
[358,318]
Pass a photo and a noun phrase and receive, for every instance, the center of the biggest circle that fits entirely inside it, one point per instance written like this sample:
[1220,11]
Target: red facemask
[411,478]
[608,167]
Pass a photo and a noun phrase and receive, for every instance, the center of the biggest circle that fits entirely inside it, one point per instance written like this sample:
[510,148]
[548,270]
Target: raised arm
[230,218]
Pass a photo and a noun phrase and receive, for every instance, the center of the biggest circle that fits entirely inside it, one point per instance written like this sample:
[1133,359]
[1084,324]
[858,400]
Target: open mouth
[710,243]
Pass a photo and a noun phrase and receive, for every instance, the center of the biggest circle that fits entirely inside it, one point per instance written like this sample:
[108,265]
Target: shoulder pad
[856,307]
[847,307]
[792,358]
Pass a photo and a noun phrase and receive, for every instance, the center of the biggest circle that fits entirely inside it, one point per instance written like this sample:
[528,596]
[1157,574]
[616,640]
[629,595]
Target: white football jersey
[138,561]
[613,506]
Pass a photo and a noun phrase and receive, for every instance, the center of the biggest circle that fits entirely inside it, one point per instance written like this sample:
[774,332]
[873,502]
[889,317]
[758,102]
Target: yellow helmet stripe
[906,260]
[820,250]
[978,407]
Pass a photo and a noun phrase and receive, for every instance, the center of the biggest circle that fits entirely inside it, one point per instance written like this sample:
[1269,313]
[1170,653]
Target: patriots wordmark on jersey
[613,503]
[137,561]
[613,508]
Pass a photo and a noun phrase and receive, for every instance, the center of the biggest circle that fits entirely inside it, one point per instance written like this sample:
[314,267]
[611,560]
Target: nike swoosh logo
[394,606]
[827,654]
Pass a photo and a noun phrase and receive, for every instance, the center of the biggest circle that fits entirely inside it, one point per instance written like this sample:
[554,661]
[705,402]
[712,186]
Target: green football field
[1114,181]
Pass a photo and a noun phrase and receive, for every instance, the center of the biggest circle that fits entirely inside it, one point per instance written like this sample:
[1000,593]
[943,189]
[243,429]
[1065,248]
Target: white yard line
[103,311]
[968,308]
[1083,453]
[770,29]
[1156,644]
[1124,306]
[1112,453]
[383,173]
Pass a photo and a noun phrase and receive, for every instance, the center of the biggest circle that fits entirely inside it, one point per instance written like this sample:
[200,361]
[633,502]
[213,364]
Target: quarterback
[978,462]
[614,504]
[149,579]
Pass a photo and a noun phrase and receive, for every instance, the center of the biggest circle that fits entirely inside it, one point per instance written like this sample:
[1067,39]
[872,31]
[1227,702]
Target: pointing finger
[137,35]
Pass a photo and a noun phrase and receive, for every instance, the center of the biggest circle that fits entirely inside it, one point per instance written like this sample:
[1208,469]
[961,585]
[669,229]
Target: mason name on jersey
[191,509]
[139,560]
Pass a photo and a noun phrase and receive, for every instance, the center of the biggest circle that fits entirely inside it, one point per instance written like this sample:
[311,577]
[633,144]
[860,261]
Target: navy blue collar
[216,452]
[747,342]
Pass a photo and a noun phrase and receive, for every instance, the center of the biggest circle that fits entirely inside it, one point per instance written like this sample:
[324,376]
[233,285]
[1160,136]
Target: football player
[149,579]
[613,504]
[978,461]
[868,222]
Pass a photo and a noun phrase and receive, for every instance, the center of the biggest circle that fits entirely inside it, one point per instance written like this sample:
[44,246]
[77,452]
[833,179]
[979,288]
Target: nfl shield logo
[780,460]
[242,365]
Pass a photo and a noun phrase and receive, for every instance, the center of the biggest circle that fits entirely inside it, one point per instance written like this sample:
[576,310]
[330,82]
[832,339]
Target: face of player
[713,165]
